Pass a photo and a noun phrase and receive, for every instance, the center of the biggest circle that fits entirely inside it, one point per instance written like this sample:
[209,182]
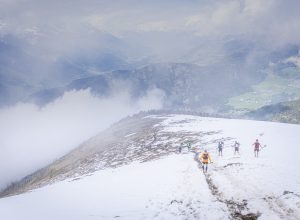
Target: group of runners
[205,157]
[236,146]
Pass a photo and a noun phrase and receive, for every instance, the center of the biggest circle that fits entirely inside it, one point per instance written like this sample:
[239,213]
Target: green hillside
[274,89]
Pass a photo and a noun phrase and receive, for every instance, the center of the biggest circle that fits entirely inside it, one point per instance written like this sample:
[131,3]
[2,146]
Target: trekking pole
[262,147]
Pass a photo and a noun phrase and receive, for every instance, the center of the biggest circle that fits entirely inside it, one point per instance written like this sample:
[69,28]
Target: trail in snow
[170,186]
[261,182]
[237,209]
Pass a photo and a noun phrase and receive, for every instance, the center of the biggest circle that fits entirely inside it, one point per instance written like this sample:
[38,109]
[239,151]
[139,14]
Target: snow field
[170,188]
[173,187]
[263,181]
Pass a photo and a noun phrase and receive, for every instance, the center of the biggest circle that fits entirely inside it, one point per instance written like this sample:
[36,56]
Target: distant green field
[272,90]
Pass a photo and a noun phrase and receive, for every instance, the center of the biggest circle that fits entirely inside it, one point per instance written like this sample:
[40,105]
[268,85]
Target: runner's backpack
[205,156]
[220,146]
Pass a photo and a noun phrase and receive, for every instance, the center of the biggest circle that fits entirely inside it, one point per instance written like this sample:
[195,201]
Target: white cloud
[96,21]
[294,60]
[59,28]
[153,26]
[32,137]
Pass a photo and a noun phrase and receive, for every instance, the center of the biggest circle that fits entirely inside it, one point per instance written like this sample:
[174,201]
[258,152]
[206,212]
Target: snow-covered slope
[171,186]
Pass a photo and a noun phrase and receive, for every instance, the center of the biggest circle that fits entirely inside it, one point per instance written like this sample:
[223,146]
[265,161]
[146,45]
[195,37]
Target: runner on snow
[205,158]
[220,148]
[257,147]
[236,147]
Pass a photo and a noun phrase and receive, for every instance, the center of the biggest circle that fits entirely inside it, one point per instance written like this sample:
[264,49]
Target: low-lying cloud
[47,44]
[32,137]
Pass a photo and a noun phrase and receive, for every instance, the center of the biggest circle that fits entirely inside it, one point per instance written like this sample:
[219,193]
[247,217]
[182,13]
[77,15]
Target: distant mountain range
[184,85]
[216,76]
[27,67]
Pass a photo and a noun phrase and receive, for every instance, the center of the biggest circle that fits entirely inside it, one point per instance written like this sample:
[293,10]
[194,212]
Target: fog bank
[32,137]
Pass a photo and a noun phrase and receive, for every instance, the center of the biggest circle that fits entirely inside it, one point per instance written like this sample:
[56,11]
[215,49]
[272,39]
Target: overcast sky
[165,30]
[47,31]
[277,18]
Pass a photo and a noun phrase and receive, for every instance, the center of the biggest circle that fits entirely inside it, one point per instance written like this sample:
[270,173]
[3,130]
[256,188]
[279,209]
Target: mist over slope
[32,137]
